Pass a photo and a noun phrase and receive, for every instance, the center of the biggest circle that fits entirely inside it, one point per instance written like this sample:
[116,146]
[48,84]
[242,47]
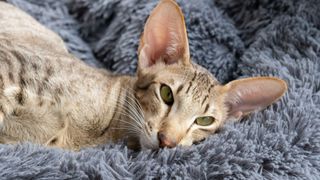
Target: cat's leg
[74,136]
[67,138]
[64,140]
[60,139]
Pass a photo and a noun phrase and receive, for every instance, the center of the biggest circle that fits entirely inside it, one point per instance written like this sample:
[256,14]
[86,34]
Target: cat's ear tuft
[165,37]
[251,94]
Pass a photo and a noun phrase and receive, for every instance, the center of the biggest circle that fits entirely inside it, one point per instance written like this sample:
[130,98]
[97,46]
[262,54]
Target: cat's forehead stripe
[190,84]
[206,109]
[211,86]
[194,76]
[179,88]
[204,99]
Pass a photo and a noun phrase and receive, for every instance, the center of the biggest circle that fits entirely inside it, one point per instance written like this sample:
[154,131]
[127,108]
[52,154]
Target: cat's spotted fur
[48,96]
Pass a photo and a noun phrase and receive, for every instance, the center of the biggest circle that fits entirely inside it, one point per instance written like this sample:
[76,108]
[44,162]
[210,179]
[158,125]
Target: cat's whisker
[133,120]
[132,115]
[131,123]
[129,127]
[134,108]
[132,105]
[130,109]
[137,112]
[128,132]
[133,98]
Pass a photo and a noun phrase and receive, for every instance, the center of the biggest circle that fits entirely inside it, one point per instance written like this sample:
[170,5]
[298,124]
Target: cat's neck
[125,108]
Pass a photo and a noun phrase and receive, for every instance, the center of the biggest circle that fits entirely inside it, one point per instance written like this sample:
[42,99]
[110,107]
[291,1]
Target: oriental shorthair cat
[49,97]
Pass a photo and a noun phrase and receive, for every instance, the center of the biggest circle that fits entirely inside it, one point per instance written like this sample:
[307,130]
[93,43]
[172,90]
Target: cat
[49,97]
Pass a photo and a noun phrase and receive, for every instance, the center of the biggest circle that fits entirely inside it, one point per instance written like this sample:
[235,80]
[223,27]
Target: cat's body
[48,96]
[38,95]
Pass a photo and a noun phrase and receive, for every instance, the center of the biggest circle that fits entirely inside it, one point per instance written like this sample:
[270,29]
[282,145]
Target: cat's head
[182,102]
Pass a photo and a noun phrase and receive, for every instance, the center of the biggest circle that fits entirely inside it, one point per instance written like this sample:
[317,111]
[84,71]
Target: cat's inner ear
[164,38]
[251,94]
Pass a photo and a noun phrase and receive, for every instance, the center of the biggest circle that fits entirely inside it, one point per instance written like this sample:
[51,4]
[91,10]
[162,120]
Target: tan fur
[48,96]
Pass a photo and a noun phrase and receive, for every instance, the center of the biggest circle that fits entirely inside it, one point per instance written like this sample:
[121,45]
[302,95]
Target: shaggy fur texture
[233,39]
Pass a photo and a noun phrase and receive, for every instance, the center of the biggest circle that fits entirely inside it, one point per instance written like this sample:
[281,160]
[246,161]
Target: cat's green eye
[166,94]
[204,121]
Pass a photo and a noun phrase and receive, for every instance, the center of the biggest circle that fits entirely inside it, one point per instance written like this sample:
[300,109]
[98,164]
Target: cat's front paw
[52,142]
[61,140]
[56,141]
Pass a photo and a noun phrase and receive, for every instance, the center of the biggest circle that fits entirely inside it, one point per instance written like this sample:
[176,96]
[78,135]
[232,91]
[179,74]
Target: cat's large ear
[251,94]
[164,37]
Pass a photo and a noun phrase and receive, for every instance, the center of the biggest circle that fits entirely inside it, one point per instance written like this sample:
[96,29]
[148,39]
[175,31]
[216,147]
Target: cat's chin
[144,148]
[146,144]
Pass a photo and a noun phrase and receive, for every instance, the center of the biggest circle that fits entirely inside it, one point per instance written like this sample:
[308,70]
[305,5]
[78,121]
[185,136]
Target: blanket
[233,39]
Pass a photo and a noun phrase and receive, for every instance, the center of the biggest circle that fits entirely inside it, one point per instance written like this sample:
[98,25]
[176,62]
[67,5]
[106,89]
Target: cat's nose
[164,141]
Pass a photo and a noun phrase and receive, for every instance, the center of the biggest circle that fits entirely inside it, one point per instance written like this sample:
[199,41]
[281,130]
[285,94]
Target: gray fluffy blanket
[233,39]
